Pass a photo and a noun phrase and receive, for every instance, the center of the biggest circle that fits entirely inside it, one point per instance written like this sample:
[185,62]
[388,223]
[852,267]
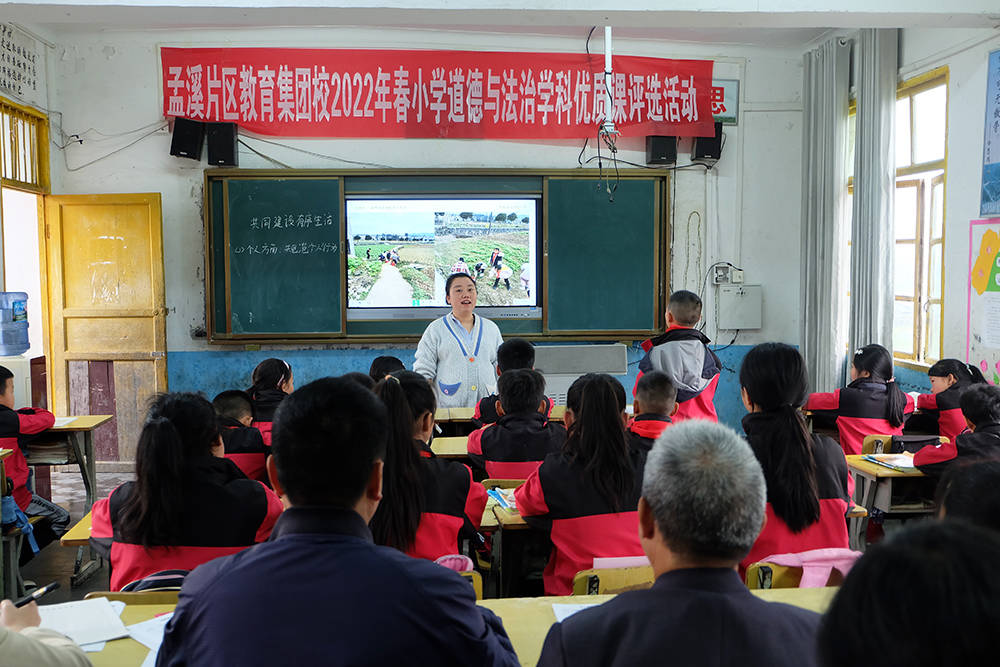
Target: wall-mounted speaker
[708,149]
[222,138]
[188,137]
[661,150]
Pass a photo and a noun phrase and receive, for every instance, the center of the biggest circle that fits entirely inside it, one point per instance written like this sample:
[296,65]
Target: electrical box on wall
[740,307]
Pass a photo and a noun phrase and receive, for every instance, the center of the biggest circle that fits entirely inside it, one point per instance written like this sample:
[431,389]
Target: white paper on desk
[150,660]
[64,421]
[150,633]
[84,621]
[564,611]
[97,647]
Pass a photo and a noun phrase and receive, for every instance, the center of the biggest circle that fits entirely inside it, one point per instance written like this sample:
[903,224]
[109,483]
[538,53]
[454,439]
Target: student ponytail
[269,374]
[178,427]
[407,396]
[597,437]
[776,382]
[878,362]
[964,374]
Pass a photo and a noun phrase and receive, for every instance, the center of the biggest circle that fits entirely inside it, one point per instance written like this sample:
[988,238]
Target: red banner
[430,94]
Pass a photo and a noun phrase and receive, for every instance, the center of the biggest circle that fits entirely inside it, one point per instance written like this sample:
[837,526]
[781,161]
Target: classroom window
[24,153]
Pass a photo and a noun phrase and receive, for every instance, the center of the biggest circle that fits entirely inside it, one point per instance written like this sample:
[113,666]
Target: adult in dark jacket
[702,505]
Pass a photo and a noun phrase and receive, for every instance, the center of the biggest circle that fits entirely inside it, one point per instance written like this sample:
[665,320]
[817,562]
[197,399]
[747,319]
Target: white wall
[965,53]
[110,81]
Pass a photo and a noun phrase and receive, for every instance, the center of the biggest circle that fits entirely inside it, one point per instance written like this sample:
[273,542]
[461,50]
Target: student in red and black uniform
[981,409]
[382,366]
[515,446]
[654,404]
[940,410]
[187,504]
[873,404]
[806,474]
[513,354]
[243,444]
[587,495]
[272,381]
[428,504]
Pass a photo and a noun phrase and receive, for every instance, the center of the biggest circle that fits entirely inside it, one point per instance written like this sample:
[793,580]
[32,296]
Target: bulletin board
[983,313]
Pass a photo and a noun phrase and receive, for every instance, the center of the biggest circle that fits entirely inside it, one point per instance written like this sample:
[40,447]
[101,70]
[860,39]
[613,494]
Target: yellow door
[104,280]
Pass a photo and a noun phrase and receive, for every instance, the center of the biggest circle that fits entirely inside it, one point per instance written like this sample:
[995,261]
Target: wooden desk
[78,535]
[127,651]
[876,488]
[451,447]
[462,415]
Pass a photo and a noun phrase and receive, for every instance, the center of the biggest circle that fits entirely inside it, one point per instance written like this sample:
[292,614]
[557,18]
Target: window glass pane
[903,132]
[903,268]
[929,114]
[933,332]
[905,213]
[937,210]
[902,327]
[934,271]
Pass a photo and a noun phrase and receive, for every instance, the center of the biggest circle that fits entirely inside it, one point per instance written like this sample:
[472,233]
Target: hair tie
[392,377]
[858,352]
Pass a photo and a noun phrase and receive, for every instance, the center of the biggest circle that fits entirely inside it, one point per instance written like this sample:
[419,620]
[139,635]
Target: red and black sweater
[221,512]
[515,446]
[245,447]
[830,531]
[486,410]
[560,497]
[644,430]
[982,443]
[265,402]
[453,507]
[858,410]
[16,427]
[941,412]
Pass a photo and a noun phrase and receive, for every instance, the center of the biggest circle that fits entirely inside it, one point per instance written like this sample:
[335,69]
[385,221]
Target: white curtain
[872,238]
[824,211]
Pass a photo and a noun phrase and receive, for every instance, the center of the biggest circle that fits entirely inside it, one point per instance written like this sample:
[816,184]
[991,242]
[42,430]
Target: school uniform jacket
[704,617]
[265,402]
[684,355]
[461,372]
[221,512]
[644,430]
[245,447]
[984,442]
[859,410]
[560,497]
[830,531]
[320,592]
[15,428]
[515,446]
[453,506]
[942,412]
[486,410]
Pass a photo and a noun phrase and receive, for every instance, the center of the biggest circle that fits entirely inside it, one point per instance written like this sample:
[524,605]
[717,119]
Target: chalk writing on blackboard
[306,221]
[285,249]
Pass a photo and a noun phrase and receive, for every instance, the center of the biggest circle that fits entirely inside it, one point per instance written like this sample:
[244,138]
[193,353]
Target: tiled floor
[55,562]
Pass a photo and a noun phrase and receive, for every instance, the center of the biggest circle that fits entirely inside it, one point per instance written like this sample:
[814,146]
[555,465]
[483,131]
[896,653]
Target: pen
[36,594]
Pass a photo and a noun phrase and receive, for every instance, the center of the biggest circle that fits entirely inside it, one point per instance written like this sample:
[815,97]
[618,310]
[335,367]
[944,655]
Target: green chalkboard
[284,256]
[603,268]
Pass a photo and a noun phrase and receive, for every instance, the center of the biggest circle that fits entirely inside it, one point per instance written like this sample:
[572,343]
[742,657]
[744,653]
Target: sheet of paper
[64,421]
[150,660]
[84,621]
[97,647]
[564,611]
[150,633]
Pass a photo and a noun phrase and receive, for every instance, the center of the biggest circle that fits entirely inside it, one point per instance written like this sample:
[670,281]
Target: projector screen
[402,250]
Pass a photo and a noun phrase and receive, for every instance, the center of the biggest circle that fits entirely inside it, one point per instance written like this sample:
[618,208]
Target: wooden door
[104,280]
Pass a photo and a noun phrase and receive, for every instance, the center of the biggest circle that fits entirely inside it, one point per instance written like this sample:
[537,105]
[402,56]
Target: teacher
[458,352]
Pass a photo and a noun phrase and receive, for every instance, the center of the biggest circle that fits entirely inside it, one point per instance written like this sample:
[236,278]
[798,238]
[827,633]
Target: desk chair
[882,444]
[476,580]
[142,597]
[830,564]
[13,582]
[612,580]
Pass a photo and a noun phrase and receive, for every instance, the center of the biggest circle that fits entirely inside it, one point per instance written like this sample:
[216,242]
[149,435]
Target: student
[243,444]
[873,404]
[516,444]
[586,494]
[272,381]
[939,410]
[187,504]
[382,366]
[682,353]
[654,404]
[526,276]
[968,491]
[363,379]
[16,429]
[806,474]
[981,407]
[22,642]
[928,596]
[511,355]
[320,591]
[504,273]
[460,266]
[429,505]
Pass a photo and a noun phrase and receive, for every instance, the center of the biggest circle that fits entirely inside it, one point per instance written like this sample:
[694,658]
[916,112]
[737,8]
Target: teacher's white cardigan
[443,359]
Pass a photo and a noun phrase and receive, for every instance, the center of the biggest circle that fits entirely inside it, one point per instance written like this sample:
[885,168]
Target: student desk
[527,621]
[451,447]
[462,415]
[887,490]
[78,535]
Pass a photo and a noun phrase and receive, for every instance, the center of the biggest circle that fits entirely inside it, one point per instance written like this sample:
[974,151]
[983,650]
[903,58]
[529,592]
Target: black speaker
[661,150]
[222,144]
[708,149]
[188,138]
